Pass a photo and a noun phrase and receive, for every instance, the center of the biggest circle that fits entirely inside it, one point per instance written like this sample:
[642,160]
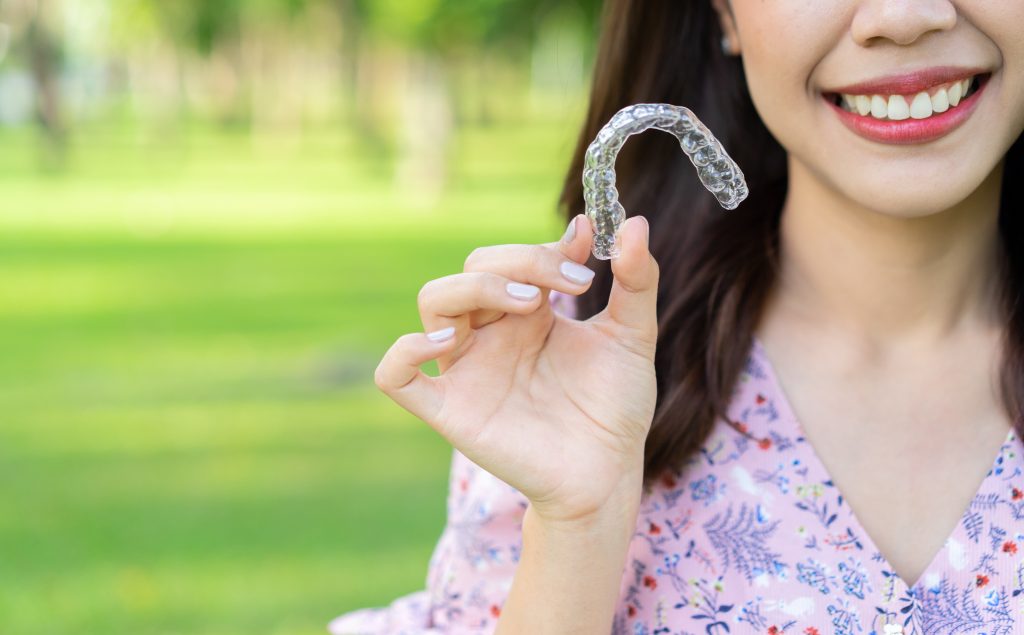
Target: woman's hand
[556,407]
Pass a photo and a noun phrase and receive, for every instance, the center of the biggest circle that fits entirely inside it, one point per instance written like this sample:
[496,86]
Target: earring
[725,45]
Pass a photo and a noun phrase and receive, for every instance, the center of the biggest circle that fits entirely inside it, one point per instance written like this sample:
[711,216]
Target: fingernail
[647,231]
[570,231]
[442,335]
[522,291]
[576,272]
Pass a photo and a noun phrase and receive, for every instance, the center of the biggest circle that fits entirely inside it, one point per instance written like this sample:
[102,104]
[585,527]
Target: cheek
[778,85]
[783,41]
[999,24]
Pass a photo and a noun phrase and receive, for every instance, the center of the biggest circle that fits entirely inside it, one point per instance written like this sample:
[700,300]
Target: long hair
[717,267]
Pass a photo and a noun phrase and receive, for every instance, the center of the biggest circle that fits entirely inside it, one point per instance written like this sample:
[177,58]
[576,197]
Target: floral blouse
[747,537]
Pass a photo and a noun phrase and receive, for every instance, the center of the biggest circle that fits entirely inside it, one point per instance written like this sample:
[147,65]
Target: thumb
[633,300]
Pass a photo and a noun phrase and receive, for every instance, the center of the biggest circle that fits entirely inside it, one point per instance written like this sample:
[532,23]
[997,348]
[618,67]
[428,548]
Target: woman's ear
[730,36]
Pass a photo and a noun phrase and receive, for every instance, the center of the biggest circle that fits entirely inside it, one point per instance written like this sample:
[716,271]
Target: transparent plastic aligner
[717,171]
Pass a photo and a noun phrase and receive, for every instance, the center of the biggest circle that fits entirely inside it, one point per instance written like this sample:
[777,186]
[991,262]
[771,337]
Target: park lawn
[191,441]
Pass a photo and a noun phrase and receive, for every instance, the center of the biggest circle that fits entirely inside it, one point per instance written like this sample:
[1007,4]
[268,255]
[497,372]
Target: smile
[922,105]
[905,118]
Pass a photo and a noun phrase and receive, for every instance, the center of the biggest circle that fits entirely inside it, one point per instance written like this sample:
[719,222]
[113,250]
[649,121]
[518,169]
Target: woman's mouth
[914,118]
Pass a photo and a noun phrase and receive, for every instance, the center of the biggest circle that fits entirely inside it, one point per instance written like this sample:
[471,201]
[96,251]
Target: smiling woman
[832,444]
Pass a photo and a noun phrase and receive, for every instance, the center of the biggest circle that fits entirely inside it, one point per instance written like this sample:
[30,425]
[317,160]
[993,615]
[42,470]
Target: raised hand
[556,407]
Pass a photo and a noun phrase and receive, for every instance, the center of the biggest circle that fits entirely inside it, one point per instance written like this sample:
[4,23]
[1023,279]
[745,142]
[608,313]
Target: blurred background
[215,216]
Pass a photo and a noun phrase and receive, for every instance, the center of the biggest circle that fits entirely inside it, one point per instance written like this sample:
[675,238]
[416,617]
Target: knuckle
[537,258]
[489,280]
[472,259]
[380,375]
[425,293]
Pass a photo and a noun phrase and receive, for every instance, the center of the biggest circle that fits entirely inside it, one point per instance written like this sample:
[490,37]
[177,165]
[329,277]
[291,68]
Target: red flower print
[495,610]
[981,580]
[773,630]
[742,427]
[669,481]
[760,400]
[654,529]
[764,443]
[810,630]
[1017,494]
[1010,546]
[463,485]
[631,610]
[650,582]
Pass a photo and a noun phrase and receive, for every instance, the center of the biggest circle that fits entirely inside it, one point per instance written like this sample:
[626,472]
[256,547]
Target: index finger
[575,243]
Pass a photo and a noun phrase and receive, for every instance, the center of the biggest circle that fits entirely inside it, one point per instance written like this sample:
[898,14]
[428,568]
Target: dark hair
[718,266]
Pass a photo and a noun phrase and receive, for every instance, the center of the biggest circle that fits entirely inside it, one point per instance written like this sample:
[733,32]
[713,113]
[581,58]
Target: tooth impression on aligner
[715,168]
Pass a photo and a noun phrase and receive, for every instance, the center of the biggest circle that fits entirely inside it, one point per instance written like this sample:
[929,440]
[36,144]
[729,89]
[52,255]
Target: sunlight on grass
[192,442]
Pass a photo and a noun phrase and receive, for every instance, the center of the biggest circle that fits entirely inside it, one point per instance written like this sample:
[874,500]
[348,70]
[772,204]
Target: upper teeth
[919,106]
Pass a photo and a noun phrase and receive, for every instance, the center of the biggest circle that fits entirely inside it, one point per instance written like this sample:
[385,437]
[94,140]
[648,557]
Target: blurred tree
[451,25]
[42,48]
[410,70]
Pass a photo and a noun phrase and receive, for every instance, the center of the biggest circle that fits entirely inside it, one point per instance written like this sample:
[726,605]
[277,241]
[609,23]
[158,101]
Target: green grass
[191,441]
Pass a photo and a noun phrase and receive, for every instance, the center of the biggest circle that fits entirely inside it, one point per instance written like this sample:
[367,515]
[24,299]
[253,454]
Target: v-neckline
[789,415]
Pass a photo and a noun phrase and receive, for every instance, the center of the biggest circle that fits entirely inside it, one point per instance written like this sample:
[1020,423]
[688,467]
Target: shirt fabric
[747,537]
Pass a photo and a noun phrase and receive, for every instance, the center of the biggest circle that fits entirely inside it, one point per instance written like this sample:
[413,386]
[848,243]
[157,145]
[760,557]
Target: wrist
[616,516]
[570,570]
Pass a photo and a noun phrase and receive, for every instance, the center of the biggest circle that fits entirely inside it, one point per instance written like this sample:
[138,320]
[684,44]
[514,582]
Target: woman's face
[907,159]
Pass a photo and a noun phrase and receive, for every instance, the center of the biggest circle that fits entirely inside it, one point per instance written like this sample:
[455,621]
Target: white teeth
[863,105]
[898,108]
[921,107]
[955,93]
[878,107]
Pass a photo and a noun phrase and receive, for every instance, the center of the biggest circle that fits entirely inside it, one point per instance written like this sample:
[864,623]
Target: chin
[914,193]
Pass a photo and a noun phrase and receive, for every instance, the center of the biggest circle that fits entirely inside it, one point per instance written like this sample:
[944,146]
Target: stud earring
[725,45]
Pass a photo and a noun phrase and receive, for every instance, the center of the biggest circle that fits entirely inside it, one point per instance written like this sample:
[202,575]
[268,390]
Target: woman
[800,416]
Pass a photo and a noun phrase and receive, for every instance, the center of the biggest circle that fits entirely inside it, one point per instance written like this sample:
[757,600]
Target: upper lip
[909,83]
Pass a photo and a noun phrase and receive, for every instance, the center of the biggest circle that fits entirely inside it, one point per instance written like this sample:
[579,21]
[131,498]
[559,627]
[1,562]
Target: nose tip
[901,22]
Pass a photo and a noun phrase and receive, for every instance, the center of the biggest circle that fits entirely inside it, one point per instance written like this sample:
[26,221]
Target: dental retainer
[716,169]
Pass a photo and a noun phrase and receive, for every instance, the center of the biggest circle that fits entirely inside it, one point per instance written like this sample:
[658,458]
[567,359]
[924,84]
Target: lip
[910,83]
[910,131]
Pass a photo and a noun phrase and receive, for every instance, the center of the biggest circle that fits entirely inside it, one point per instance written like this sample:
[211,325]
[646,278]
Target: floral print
[749,536]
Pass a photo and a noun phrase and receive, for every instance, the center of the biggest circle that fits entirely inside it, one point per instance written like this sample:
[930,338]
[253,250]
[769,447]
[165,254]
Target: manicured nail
[647,231]
[522,291]
[570,231]
[576,272]
[442,335]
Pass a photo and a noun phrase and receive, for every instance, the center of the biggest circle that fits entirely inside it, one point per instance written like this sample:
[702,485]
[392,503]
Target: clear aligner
[717,171]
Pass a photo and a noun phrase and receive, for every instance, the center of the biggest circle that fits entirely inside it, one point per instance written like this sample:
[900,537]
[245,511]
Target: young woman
[799,416]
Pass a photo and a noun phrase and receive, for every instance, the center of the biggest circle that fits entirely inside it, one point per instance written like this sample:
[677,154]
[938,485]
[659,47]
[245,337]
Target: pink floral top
[748,537]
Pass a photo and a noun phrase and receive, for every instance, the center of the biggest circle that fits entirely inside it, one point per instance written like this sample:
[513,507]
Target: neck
[878,277]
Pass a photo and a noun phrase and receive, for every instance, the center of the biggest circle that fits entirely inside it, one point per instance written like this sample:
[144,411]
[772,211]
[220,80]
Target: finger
[575,243]
[634,295]
[399,376]
[443,301]
[554,265]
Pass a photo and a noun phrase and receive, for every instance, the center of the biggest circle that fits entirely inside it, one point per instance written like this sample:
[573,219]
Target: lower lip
[910,131]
